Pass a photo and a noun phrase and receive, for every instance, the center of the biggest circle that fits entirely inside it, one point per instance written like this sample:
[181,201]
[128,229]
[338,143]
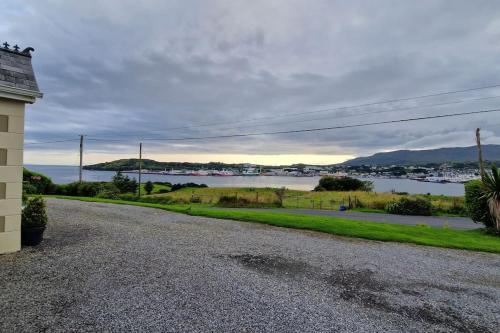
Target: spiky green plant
[491,183]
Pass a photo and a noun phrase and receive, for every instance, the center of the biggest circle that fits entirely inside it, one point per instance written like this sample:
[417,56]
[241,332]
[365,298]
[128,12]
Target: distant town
[442,165]
[440,173]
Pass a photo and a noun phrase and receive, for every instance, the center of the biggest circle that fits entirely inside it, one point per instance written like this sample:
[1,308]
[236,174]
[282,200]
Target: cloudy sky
[122,71]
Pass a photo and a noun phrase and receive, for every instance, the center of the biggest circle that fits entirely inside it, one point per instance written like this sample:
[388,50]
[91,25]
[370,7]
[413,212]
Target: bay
[67,174]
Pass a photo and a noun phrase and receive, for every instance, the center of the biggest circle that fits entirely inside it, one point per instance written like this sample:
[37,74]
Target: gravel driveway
[123,268]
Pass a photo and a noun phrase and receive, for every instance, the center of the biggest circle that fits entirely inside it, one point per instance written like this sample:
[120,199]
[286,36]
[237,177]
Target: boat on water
[223,173]
[251,172]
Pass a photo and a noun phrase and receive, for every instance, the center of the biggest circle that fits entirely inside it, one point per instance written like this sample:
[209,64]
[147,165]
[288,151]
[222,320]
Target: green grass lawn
[476,240]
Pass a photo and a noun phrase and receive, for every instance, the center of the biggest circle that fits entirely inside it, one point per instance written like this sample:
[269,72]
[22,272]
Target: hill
[133,164]
[430,156]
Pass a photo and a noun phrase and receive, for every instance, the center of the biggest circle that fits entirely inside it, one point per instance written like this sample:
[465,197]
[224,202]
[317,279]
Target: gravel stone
[118,268]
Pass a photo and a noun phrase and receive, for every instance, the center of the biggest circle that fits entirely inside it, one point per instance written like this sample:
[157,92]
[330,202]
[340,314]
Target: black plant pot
[32,236]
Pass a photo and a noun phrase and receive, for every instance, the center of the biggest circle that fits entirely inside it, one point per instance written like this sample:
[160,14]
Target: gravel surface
[121,268]
[463,223]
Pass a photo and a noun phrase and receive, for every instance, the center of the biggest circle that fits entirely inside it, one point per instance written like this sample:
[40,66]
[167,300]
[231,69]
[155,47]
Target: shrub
[406,206]
[83,189]
[36,183]
[108,191]
[476,203]
[329,183]
[148,187]
[34,214]
[176,187]
[163,190]
[124,184]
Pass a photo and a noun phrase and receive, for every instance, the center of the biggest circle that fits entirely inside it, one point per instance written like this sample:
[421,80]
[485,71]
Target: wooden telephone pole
[480,152]
[140,167]
[80,178]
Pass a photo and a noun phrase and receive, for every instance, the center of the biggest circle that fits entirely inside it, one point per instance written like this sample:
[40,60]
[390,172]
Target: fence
[271,199]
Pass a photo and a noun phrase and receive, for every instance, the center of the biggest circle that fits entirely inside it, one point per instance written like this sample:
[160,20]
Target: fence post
[257,197]
[321,204]
[312,203]
[297,201]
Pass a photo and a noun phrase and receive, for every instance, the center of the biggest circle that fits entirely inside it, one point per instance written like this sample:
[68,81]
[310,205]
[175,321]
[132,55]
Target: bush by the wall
[34,214]
[476,203]
[406,206]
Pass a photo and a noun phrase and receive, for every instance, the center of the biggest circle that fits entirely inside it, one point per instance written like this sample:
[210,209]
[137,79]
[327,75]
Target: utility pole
[80,178]
[140,167]
[480,152]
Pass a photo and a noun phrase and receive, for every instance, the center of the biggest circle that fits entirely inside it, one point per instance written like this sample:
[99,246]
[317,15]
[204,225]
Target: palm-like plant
[491,183]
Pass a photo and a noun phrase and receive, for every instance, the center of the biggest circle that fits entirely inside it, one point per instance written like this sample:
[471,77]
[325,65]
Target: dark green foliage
[133,164]
[491,189]
[343,184]
[34,214]
[148,187]
[176,187]
[406,206]
[84,189]
[163,190]
[36,183]
[124,184]
[476,203]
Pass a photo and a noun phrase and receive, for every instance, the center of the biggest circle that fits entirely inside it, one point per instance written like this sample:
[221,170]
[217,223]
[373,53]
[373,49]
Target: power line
[340,108]
[363,113]
[346,116]
[317,111]
[343,107]
[47,142]
[313,129]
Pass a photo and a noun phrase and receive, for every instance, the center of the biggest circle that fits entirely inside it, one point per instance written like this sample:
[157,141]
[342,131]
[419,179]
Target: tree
[491,188]
[124,184]
[476,203]
[343,184]
[148,187]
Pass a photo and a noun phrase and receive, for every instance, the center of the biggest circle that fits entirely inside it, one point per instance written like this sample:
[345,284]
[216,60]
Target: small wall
[11,171]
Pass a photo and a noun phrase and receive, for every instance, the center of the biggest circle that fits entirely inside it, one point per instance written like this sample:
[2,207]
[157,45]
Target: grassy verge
[476,240]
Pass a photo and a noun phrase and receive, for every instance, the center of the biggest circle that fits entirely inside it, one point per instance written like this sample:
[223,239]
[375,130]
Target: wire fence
[270,199]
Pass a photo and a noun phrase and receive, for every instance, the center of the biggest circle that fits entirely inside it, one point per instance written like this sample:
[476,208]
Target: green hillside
[430,156]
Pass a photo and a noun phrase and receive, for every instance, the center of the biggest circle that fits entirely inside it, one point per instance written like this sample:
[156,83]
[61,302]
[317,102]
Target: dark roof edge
[24,53]
[19,94]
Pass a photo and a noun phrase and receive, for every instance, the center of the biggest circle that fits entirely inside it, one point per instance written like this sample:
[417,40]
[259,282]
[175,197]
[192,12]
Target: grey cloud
[117,69]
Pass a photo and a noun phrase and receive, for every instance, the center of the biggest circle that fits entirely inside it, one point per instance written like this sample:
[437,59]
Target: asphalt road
[432,221]
[121,268]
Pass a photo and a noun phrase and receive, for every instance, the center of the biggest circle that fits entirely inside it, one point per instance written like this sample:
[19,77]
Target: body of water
[68,174]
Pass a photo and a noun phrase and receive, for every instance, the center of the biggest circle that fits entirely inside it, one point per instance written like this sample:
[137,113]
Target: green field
[360,200]
[476,240]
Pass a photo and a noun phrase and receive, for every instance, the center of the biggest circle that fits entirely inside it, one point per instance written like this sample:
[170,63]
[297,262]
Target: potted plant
[33,221]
